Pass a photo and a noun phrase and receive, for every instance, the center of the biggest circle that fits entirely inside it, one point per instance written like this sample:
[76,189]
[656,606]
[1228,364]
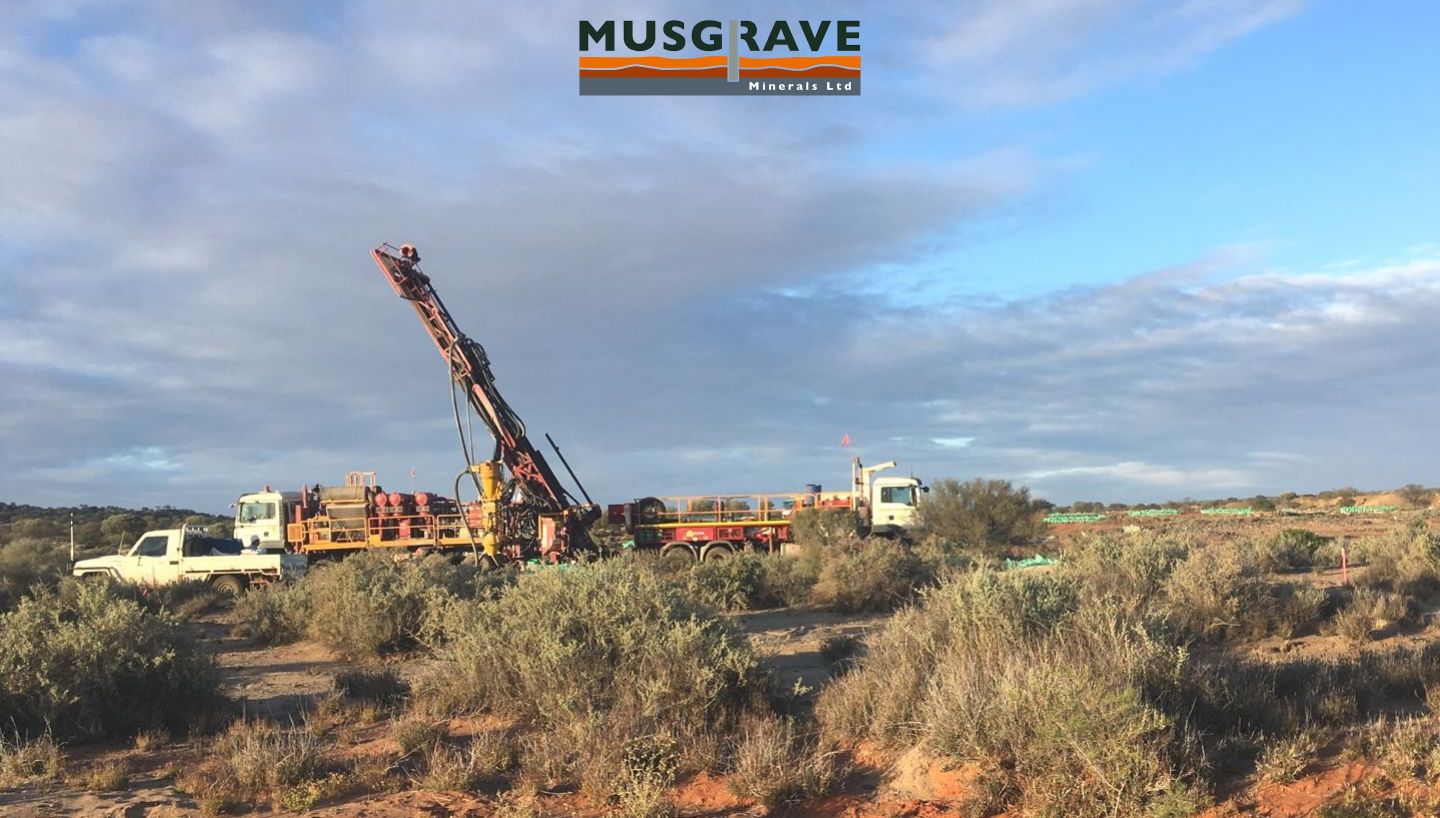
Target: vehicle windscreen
[904,495]
[255,512]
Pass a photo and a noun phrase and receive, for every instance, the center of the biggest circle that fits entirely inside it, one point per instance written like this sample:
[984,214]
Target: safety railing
[734,508]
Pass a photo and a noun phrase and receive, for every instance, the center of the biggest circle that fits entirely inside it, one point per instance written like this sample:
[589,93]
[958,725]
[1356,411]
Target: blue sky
[1112,249]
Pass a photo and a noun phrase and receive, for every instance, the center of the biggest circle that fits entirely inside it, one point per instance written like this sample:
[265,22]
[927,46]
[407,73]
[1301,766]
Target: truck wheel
[228,585]
[677,553]
[717,551]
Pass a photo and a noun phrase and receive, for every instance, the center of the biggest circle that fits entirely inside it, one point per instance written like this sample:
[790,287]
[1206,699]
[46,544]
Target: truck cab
[892,502]
[260,519]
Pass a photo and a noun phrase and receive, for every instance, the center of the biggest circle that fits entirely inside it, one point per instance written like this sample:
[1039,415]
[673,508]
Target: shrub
[454,769]
[1405,748]
[1366,610]
[647,769]
[825,526]
[1221,593]
[982,514]
[1130,568]
[1416,495]
[869,575]
[365,605]
[1406,561]
[1291,548]
[365,685]
[36,760]
[414,733]
[1284,760]
[111,776]
[772,765]
[182,599]
[1007,671]
[369,603]
[736,584]
[256,760]
[25,563]
[88,664]
[274,614]
[590,657]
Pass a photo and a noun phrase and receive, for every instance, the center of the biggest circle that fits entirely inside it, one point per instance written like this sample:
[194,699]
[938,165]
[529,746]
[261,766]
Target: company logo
[710,57]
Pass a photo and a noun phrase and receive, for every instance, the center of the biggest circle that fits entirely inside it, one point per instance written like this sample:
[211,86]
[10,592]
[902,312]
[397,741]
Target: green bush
[1406,561]
[987,515]
[274,614]
[735,584]
[88,664]
[365,605]
[751,581]
[874,574]
[369,603]
[1007,671]
[1130,568]
[26,563]
[1220,593]
[825,526]
[36,760]
[1290,549]
[589,657]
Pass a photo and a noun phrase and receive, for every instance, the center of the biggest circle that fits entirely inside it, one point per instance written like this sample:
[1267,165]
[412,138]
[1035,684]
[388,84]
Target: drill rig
[523,510]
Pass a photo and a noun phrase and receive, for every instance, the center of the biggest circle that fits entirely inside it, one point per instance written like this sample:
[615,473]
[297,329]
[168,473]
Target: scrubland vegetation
[1142,675]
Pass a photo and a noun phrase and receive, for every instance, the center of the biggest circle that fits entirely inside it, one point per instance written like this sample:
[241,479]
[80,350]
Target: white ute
[172,555]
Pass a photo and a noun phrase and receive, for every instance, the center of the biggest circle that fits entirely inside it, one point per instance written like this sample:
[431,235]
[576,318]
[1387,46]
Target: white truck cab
[170,555]
[260,518]
[893,502]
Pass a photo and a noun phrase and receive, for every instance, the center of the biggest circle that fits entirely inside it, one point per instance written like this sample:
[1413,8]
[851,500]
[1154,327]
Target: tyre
[229,585]
[677,553]
[718,551]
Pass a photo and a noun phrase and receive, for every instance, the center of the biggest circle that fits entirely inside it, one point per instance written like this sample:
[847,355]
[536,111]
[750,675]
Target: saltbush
[89,664]
[590,657]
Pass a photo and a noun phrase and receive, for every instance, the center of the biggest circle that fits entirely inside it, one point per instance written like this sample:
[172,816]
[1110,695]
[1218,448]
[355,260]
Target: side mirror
[925,489]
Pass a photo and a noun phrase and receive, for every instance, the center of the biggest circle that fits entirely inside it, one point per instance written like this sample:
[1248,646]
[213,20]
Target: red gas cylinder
[381,499]
[397,499]
[422,498]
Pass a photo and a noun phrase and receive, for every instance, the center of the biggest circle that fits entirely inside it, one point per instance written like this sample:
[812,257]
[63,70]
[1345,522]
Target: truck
[359,514]
[713,527]
[167,556]
[521,510]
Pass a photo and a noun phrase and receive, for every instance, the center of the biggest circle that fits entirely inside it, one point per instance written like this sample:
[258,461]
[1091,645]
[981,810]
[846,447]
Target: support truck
[170,555]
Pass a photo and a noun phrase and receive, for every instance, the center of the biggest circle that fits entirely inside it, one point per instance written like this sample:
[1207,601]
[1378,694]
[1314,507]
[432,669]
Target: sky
[1110,249]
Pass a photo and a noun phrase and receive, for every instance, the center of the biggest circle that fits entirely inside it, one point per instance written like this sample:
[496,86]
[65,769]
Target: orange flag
[845,441]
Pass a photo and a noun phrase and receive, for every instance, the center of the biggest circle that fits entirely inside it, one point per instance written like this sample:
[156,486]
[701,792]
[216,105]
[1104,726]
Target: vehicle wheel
[718,551]
[229,585]
[678,554]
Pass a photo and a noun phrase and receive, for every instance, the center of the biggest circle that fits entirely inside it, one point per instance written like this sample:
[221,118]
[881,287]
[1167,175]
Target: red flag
[845,441]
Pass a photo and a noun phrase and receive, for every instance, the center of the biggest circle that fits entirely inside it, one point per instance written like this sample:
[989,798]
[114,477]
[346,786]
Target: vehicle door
[152,557]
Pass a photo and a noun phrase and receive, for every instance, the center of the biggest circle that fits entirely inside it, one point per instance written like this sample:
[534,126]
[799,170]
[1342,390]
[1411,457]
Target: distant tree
[122,528]
[1416,495]
[1262,503]
[34,528]
[1087,507]
[980,513]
